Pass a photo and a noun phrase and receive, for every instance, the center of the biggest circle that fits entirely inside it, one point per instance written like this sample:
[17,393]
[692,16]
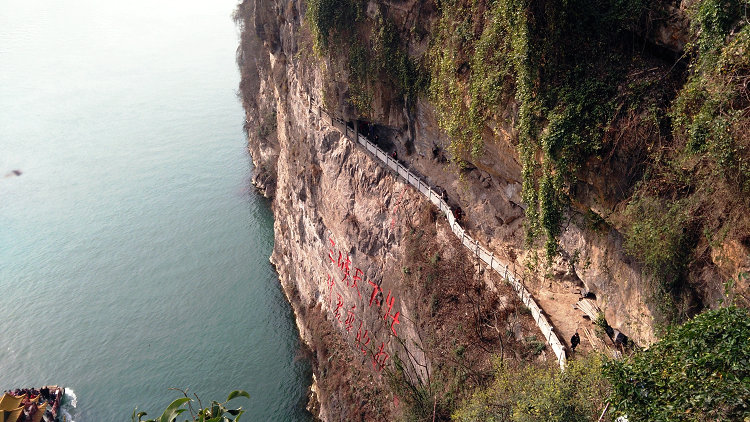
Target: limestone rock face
[340,217]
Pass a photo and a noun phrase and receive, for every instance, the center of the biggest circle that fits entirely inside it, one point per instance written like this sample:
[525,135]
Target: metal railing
[502,268]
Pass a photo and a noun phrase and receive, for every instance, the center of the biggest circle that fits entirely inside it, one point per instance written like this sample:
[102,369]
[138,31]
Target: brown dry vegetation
[466,317]
[464,325]
[351,390]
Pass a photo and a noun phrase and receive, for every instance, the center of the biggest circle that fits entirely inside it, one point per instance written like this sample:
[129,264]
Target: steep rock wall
[381,288]
[342,222]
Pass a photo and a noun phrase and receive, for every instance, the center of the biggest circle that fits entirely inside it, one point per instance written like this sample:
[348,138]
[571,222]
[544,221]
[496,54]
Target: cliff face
[382,291]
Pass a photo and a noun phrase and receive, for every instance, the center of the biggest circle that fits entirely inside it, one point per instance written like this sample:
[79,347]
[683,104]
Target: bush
[540,393]
[658,236]
[699,371]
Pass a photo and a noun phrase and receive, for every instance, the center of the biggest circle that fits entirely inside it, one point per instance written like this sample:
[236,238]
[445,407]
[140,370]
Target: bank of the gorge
[596,151]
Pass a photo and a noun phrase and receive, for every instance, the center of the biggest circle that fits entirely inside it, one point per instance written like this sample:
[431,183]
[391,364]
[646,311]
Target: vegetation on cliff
[465,324]
[699,371]
[537,392]
[370,47]
[561,60]
[700,174]
[581,88]
[592,95]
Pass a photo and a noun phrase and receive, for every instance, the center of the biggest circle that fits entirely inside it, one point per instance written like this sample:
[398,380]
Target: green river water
[133,250]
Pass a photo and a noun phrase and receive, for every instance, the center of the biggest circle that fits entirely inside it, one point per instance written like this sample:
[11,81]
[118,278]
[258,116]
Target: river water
[133,251]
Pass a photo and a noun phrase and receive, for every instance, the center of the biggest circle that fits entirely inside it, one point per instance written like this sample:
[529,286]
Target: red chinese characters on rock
[339,305]
[347,316]
[377,291]
[350,318]
[394,318]
[330,283]
[343,262]
[362,339]
[379,358]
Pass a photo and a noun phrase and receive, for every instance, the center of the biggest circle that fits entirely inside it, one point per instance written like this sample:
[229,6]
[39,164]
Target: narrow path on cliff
[487,257]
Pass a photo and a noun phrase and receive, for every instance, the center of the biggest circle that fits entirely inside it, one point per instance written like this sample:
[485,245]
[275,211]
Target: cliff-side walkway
[502,268]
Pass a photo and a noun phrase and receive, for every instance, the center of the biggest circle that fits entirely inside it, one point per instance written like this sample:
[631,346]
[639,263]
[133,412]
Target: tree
[699,371]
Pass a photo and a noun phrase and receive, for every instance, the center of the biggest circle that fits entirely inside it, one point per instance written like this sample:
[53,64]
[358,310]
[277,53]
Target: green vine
[371,50]
[331,21]
[567,61]
[711,110]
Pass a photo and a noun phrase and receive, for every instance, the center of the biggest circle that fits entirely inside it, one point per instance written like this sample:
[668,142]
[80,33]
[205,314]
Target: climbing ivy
[567,58]
[471,72]
[389,54]
[361,69]
[332,21]
[371,49]
[711,110]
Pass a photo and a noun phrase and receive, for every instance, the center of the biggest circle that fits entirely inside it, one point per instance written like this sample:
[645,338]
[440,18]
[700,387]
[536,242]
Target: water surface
[133,252]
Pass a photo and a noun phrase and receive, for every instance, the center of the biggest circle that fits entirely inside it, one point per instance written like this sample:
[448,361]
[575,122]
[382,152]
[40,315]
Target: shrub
[699,371]
[540,393]
[331,19]
[658,236]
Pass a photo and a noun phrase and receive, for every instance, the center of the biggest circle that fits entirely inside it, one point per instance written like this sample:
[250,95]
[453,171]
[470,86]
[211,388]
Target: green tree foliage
[699,371]
[540,393]
[215,412]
